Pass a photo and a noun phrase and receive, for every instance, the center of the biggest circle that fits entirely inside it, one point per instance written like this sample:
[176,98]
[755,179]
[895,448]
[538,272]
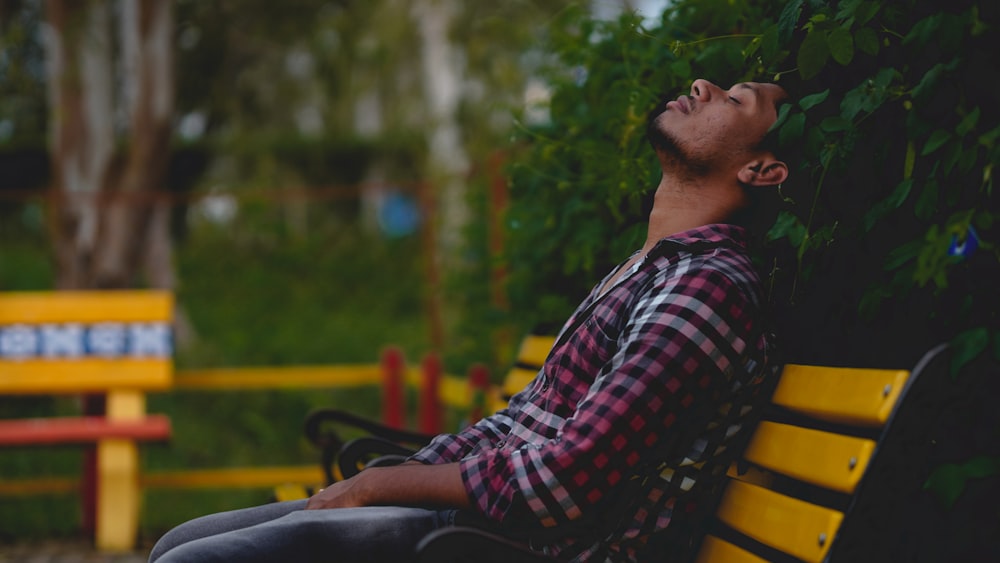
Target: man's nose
[702,90]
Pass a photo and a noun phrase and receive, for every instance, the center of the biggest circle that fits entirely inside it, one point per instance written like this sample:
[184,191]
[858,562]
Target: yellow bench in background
[113,344]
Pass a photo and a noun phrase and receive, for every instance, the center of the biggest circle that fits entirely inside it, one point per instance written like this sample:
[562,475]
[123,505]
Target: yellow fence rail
[452,391]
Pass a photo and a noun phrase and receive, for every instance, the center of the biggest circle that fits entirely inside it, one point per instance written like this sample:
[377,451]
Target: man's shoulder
[723,274]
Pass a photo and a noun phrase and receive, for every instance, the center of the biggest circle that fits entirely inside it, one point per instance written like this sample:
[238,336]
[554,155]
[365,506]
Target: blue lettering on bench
[73,340]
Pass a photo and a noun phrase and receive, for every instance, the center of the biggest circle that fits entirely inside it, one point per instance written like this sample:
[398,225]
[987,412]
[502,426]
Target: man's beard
[668,147]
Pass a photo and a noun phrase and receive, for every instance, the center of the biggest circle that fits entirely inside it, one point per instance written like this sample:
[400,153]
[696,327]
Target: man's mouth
[681,103]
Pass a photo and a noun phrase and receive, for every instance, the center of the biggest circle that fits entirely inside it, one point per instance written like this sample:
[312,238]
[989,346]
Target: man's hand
[342,494]
[409,484]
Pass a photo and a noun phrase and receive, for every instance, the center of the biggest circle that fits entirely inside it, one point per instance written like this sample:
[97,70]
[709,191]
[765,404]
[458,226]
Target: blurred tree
[289,98]
[107,166]
[22,69]
[411,93]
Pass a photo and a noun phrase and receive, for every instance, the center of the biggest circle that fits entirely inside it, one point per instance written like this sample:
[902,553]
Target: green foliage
[581,185]
[892,141]
[948,480]
[885,238]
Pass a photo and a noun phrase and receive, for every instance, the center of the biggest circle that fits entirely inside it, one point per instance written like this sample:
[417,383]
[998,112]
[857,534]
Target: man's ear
[764,171]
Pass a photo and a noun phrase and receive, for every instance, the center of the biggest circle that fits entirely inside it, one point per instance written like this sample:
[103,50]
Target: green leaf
[851,104]
[841,45]
[769,43]
[847,9]
[927,202]
[911,159]
[902,254]
[882,208]
[812,100]
[967,159]
[823,236]
[948,481]
[866,40]
[929,80]
[788,19]
[813,54]
[867,11]
[783,112]
[871,301]
[967,346]
[900,193]
[787,225]
[952,152]
[818,18]
[835,124]
[923,30]
[937,139]
[968,122]
[793,128]
[681,69]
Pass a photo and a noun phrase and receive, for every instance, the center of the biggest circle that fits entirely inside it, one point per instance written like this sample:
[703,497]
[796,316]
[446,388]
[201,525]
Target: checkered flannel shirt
[644,390]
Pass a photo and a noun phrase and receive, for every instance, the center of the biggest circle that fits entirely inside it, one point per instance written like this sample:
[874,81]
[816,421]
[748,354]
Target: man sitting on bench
[628,421]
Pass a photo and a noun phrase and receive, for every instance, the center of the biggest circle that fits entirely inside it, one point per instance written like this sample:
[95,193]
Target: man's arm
[409,484]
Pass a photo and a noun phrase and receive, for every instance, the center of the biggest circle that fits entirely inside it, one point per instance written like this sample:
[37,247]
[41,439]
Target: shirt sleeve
[487,433]
[680,340]
[446,448]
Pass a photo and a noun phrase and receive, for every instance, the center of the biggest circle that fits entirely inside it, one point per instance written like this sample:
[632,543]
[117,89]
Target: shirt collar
[716,232]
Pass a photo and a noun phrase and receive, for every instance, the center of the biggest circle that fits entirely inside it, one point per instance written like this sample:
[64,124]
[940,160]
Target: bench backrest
[809,458]
[85,341]
[531,354]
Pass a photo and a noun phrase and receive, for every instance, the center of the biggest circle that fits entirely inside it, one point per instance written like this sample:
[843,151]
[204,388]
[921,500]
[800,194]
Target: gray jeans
[285,532]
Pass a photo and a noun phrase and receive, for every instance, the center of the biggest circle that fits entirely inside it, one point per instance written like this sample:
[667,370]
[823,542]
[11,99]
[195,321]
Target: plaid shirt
[644,390]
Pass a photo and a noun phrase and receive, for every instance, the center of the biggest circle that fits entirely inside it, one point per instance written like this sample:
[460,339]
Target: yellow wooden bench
[836,448]
[840,448]
[111,344]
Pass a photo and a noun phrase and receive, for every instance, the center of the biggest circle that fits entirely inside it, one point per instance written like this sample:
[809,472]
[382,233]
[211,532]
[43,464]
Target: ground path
[66,551]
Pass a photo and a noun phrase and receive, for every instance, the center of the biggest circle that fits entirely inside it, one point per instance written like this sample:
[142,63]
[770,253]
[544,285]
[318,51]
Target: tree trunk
[448,162]
[108,222]
[442,79]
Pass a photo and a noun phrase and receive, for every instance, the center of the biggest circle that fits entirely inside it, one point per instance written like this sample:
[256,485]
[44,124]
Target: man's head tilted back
[717,135]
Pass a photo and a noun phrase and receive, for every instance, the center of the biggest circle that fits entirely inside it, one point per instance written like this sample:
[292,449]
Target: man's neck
[683,204]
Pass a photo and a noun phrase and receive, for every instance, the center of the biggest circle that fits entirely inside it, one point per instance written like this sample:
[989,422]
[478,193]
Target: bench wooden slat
[829,460]
[517,379]
[65,430]
[714,550]
[63,375]
[534,349]
[791,525]
[85,306]
[849,395]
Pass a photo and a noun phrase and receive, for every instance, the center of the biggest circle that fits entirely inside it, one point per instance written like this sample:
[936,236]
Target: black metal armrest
[317,421]
[370,452]
[320,429]
[463,544]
